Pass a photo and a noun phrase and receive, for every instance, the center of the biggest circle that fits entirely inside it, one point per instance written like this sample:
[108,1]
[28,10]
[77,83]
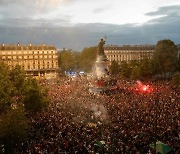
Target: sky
[76,24]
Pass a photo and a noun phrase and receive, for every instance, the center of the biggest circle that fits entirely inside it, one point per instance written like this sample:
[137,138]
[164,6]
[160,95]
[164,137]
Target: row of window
[28,57]
[127,58]
[37,67]
[32,62]
[27,52]
[128,51]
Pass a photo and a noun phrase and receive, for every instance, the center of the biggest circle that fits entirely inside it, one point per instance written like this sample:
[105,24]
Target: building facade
[128,53]
[40,61]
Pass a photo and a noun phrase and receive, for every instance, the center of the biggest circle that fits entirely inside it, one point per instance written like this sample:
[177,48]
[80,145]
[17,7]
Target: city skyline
[78,24]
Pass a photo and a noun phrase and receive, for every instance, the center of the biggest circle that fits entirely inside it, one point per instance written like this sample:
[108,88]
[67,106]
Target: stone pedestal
[101,67]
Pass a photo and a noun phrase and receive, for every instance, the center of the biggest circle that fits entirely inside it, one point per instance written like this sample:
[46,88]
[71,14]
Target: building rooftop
[130,47]
[18,46]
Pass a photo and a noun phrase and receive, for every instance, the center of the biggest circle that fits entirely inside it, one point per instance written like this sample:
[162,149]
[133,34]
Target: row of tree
[77,61]
[164,63]
[19,98]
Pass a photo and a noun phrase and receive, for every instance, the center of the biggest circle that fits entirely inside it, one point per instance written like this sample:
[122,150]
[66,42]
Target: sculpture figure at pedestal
[101,47]
[100,51]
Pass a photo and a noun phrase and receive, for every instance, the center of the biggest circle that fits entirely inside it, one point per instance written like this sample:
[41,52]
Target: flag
[92,124]
[161,147]
[100,143]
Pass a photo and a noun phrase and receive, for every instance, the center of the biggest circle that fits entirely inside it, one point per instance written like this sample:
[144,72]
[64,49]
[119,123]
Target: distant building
[128,53]
[36,60]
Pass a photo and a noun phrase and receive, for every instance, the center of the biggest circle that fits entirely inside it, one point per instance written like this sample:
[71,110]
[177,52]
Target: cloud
[99,10]
[166,10]
[104,8]
[37,3]
[25,8]
[170,15]
[31,22]
[79,36]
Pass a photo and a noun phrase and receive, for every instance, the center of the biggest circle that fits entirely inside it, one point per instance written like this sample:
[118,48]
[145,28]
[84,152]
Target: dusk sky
[75,24]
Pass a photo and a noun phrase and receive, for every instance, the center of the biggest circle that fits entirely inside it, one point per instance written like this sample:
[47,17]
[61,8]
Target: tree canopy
[114,68]
[165,56]
[87,58]
[34,97]
[68,60]
[19,96]
[13,128]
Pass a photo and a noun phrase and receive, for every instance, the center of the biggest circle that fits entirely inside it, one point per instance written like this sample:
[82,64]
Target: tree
[17,78]
[125,69]
[114,68]
[176,79]
[68,60]
[5,88]
[13,129]
[178,61]
[136,73]
[146,68]
[34,97]
[165,57]
[87,58]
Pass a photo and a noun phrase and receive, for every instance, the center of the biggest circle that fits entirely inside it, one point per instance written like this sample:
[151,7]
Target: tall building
[36,60]
[128,53]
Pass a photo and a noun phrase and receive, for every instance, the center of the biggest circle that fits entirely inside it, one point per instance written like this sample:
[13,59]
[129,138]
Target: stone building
[36,60]
[128,53]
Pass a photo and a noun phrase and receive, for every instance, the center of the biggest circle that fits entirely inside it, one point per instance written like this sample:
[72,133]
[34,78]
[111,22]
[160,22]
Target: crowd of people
[78,121]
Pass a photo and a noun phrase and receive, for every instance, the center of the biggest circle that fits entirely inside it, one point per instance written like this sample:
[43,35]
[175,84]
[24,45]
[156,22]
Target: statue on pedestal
[101,47]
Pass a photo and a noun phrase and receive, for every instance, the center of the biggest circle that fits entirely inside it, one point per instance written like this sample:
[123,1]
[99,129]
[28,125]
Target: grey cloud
[27,8]
[39,3]
[31,22]
[103,9]
[22,13]
[165,10]
[172,15]
[79,36]
[99,10]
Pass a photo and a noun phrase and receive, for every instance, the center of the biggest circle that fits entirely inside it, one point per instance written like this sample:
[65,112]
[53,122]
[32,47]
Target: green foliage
[176,79]
[17,78]
[165,57]
[136,73]
[114,68]
[68,60]
[87,58]
[133,63]
[178,63]
[13,128]
[125,70]
[146,69]
[5,87]
[16,89]
[34,97]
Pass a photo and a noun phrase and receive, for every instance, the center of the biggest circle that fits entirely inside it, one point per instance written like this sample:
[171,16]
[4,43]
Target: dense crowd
[78,121]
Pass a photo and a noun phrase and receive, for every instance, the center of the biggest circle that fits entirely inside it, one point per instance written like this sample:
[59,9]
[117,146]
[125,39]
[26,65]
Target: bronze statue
[101,47]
